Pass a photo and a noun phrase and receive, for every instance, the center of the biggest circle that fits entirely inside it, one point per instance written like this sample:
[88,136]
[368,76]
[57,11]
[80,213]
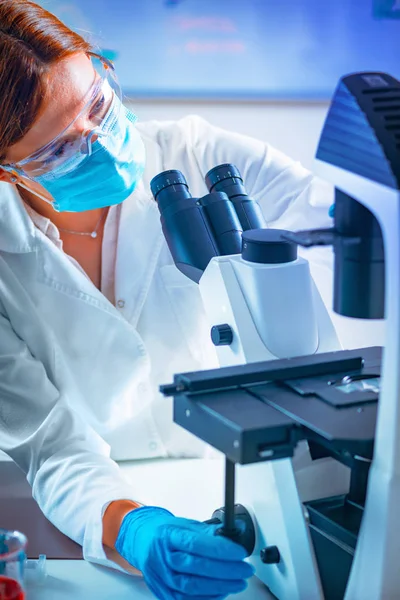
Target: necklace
[93,234]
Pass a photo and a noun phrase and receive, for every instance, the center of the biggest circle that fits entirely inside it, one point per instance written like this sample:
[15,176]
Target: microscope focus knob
[267,247]
[222,335]
[244,534]
[270,555]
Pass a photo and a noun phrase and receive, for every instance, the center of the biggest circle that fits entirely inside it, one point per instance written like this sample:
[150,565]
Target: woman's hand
[182,559]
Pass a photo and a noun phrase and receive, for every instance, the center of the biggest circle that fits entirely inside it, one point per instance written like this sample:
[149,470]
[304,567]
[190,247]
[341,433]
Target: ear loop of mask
[95,133]
[15,181]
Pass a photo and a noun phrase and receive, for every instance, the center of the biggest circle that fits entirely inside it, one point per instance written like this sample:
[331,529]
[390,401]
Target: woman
[93,313]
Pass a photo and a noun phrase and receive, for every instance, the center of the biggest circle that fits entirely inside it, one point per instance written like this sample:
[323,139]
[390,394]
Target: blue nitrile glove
[182,559]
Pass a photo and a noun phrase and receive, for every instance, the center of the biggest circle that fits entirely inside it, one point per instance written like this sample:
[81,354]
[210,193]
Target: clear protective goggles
[71,146]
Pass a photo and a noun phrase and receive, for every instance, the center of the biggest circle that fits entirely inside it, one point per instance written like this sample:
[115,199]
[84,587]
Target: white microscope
[318,481]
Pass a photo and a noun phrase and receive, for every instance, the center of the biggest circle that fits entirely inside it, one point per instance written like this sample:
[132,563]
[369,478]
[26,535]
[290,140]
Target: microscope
[310,432]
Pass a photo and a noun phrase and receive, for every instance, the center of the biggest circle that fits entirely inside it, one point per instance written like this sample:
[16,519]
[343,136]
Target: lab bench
[196,492]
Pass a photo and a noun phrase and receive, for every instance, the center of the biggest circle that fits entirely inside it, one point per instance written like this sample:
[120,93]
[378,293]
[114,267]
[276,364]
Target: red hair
[31,41]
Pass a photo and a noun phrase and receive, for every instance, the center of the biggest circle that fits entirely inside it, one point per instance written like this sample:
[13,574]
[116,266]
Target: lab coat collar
[139,246]
[140,239]
[17,231]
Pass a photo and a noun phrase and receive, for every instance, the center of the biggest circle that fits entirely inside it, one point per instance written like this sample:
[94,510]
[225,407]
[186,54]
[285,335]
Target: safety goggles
[71,146]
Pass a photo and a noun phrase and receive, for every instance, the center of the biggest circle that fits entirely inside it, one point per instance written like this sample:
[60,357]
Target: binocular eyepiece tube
[197,229]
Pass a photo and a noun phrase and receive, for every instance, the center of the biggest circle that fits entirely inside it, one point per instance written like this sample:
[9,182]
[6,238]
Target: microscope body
[359,152]
[273,310]
[375,571]
[268,312]
[313,540]
[262,305]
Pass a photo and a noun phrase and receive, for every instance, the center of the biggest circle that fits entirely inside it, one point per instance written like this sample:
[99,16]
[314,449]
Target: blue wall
[295,49]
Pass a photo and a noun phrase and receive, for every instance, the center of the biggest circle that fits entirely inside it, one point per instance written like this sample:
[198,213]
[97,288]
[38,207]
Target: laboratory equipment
[262,304]
[349,541]
[12,563]
[197,229]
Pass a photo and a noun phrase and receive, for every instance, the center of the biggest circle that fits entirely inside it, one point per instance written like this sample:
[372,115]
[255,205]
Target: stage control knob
[222,335]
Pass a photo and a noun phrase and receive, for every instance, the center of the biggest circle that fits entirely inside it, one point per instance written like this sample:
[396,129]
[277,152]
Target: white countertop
[79,580]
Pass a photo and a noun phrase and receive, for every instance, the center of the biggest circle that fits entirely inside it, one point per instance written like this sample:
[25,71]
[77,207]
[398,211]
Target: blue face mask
[108,175]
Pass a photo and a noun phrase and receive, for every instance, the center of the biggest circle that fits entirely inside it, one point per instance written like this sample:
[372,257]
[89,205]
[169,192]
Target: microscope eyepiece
[227,178]
[169,187]
[166,179]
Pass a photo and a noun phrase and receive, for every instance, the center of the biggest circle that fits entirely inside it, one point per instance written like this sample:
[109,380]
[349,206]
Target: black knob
[222,335]
[270,555]
[267,246]
[245,534]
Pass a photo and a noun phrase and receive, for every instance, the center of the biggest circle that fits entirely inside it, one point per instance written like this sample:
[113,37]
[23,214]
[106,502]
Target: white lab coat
[79,376]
